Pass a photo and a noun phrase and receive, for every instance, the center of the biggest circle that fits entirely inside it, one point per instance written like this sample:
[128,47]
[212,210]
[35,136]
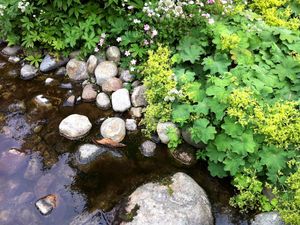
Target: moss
[128,217]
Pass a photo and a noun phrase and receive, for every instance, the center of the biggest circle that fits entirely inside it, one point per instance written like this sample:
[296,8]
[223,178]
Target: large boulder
[113,54]
[113,128]
[50,63]
[121,100]
[162,131]
[75,126]
[28,72]
[182,202]
[104,71]
[77,70]
[138,96]
[268,218]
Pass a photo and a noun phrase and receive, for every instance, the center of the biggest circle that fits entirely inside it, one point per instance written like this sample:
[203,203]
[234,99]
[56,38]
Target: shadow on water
[45,162]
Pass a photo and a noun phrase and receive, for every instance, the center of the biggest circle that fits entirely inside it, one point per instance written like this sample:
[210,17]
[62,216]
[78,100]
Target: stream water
[44,164]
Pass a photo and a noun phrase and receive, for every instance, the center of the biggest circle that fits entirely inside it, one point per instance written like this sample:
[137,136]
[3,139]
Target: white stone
[42,101]
[103,101]
[88,152]
[28,72]
[92,64]
[104,71]
[138,96]
[131,125]
[75,126]
[49,80]
[121,100]
[148,148]
[113,128]
[162,131]
[113,54]
[77,70]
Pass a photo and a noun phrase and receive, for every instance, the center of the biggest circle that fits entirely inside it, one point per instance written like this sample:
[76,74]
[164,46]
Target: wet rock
[37,129]
[62,71]
[121,100]
[136,112]
[14,59]
[113,54]
[138,96]
[43,185]
[11,50]
[184,155]
[89,93]
[131,124]
[50,63]
[11,161]
[77,70]
[112,84]
[70,102]
[126,76]
[162,131]
[113,128]
[92,63]
[103,101]
[48,81]
[181,202]
[19,106]
[43,102]
[46,204]
[148,148]
[187,137]
[33,170]
[88,153]
[75,126]
[268,218]
[28,72]
[155,138]
[66,86]
[95,218]
[104,71]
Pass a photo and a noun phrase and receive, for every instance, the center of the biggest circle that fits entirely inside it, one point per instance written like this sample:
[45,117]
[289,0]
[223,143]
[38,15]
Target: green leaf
[202,131]
[181,113]
[217,64]
[189,49]
[184,76]
[233,165]
[201,108]
[217,108]
[232,128]
[217,169]
[222,142]
[215,155]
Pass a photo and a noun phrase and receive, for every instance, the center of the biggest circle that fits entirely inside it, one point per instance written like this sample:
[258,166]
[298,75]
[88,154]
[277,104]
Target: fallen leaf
[109,143]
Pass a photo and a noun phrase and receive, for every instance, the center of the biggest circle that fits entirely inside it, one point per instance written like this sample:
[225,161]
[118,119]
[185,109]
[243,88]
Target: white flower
[133,62]
[103,35]
[119,39]
[22,5]
[96,49]
[211,21]
[154,33]
[136,21]
[127,53]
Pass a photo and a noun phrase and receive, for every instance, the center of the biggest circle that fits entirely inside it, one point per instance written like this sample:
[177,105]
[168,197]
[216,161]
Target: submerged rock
[162,131]
[104,71]
[268,218]
[121,100]
[148,148]
[103,101]
[46,204]
[138,96]
[88,152]
[113,128]
[50,63]
[95,218]
[184,155]
[182,202]
[77,70]
[113,54]
[75,126]
[28,72]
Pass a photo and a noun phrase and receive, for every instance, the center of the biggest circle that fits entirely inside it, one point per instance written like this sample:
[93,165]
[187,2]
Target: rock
[43,185]
[113,128]
[182,202]
[75,127]
[50,63]
[88,153]
[70,102]
[126,76]
[138,96]
[187,137]
[121,100]
[184,155]
[11,161]
[48,81]
[162,131]
[43,102]
[92,63]
[148,148]
[103,101]
[33,169]
[89,93]
[19,106]
[74,54]
[112,84]
[11,50]
[136,112]
[28,72]
[62,71]
[113,54]
[77,70]
[95,218]
[136,83]
[46,204]
[66,86]
[14,59]
[104,71]
[268,218]
[131,125]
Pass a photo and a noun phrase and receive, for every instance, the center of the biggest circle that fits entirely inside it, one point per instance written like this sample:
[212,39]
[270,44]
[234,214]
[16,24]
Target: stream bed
[43,163]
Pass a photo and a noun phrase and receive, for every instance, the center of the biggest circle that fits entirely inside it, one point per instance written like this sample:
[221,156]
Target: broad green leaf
[202,131]
[217,169]
[181,113]
[232,127]
[217,64]
[214,155]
